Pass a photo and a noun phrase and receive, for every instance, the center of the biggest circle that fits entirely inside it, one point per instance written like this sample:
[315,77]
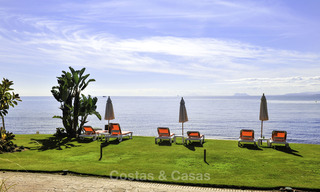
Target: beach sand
[21,181]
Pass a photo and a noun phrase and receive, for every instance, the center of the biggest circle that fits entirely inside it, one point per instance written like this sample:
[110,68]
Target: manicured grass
[141,158]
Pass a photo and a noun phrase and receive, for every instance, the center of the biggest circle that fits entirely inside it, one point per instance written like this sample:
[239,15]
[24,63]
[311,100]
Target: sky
[163,48]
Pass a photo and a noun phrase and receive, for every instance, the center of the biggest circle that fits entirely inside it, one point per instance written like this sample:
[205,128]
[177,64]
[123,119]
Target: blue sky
[163,48]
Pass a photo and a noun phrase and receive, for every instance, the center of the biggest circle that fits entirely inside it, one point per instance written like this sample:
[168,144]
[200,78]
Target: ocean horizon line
[247,95]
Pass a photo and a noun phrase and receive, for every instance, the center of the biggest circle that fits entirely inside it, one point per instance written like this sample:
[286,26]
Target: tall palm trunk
[76,111]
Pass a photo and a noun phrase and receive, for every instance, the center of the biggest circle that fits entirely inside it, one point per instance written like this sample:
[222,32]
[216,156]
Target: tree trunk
[82,122]
[68,116]
[3,127]
[76,111]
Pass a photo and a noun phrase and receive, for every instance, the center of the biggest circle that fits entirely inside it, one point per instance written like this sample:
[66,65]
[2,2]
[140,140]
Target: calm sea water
[216,117]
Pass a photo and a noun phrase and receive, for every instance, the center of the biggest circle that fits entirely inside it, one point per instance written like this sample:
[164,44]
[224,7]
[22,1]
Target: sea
[216,117]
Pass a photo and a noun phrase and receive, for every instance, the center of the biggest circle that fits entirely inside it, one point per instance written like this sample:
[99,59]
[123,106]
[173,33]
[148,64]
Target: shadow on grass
[164,143]
[112,142]
[55,143]
[192,146]
[107,143]
[251,147]
[287,150]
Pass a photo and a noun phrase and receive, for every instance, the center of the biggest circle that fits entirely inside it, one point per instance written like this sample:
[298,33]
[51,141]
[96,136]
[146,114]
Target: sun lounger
[115,132]
[246,136]
[164,133]
[195,136]
[90,132]
[279,137]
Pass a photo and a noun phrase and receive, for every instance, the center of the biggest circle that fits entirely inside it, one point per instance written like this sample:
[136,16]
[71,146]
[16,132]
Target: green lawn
[141,158]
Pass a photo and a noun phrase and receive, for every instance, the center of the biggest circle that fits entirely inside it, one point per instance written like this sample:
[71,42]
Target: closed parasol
[109,115]
[263,112]
[183,117]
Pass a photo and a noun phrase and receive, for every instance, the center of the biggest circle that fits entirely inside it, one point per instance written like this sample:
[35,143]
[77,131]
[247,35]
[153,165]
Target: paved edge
[85,175]
[36,181]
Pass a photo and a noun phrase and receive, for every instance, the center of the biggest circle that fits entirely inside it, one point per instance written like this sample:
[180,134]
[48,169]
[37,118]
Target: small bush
[6,143]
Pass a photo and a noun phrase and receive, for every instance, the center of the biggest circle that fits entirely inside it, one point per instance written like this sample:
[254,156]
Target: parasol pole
[261,127]
[182,134]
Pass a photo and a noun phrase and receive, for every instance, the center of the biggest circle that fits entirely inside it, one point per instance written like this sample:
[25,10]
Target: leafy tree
[7,99]
[88,106]
[68,94]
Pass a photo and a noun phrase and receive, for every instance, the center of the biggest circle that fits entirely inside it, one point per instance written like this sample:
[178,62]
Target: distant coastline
[304,94]
[316,94]
[241,95]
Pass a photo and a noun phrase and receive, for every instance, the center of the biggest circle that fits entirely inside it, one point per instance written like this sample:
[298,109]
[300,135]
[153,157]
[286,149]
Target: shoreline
[211,138]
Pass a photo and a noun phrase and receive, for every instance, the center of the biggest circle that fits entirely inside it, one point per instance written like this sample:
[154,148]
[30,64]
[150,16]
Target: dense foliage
[72,105]
[7,99]
[6,144]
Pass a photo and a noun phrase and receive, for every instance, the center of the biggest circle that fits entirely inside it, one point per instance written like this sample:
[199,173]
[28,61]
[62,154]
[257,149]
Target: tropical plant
[6,144]
[88,106]
[7,99]
[68,94]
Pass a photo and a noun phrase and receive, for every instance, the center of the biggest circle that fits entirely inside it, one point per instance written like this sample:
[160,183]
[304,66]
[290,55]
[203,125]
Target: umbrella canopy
[109,115]
[183,117]
[263,111]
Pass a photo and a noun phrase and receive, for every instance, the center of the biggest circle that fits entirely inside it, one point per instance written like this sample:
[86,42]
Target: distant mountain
[241,94]
[303,93]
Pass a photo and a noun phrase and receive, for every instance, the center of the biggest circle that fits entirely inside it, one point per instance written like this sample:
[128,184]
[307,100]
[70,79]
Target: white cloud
[193,57]
[78,36]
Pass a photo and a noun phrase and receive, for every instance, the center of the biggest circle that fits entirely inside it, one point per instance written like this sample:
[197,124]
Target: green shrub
[6,143]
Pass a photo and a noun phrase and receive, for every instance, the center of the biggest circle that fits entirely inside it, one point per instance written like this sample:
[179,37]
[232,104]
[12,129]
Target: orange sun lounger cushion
[88,130]
[115,129]
[247,134]
[193,134]
[279,136]
[115,132]
[164,133]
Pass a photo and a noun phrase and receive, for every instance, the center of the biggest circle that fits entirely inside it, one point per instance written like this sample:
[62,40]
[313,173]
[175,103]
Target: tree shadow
[287,150]
[85,140]
[192,146]
[251,147]
[53,143]
[112,142]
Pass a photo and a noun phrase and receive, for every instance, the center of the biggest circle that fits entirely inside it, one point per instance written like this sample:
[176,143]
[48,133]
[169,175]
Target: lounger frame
[90,132]
[170,137]
[273,139]
[249,140]
[117,133]
[194,138]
